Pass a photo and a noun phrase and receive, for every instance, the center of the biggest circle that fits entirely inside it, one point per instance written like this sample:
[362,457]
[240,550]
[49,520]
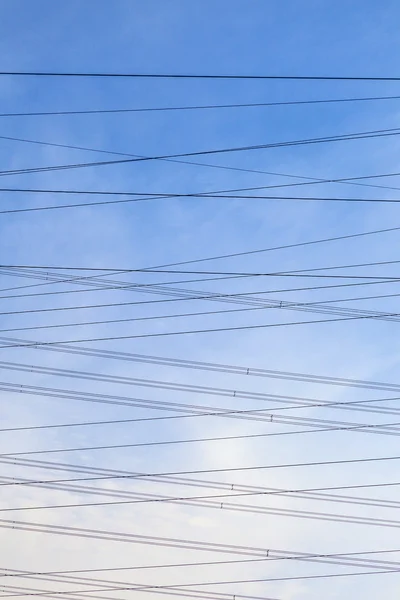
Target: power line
[156,588]
[209,366]
[181,297]
[198,76]
[257,251]
[207,411]
[151,197]
[192,331]
[382,428]
[235,490]
[359,181]
[150,270]
[281,305]
[294,402]
[112,474]
[325,559]
[326,139]
[240,492]
[198,107]
[320,516]
[131,538]
[159,287]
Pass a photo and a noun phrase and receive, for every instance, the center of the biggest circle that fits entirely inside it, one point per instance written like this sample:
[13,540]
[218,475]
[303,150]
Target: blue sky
[219,36]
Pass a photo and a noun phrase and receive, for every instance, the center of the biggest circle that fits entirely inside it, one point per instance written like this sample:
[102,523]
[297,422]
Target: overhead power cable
[195,331]
[250,252]
[240,76]
[229,490]
[170,476]
[125,537]
[198,107]
[373,405]
[135,587]
[151,197]
[326,139]
[359,181]
[241,491]
[33,270]
[98,281]
[317,425]
[208,366]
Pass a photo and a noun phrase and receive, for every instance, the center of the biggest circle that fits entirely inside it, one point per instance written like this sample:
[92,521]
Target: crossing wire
[380,133]
[198,107]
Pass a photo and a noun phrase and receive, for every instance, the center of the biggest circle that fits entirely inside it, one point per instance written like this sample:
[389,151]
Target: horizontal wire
[326,139]
[211,366]
[217,501]
[313,307]
[310,180]
[150,197]
[191,331]
[294,402]
[240,490]
[162,289]
[270,249]
[272,556]
[112,474]
[141,587]
[198,107]
[198,76]
[39,268]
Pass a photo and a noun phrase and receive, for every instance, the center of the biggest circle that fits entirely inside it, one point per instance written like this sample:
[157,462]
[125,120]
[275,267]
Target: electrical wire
[309,180]
[326,139]
[294,402]
[198,107]
[210,366]
[193,331]
[181,296]
[140,587]
[198,76]
[262,250]
[113,474]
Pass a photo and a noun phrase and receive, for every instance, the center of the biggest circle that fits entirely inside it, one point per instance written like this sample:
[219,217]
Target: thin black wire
[192,331]
[272,556]
[154,588]
[294,402]
[210,366]
[244,491]
[262,250]
[205,411]
[187,594]
[310,180]
[379,315]
[210,296]
[325,139]
[199,107]
[251,509]
[296,272]
[113,474]
[141,587]
[203,196]
[198,76]
[97,281]
[307,307]
[387,429]
[198,500]
[132,538]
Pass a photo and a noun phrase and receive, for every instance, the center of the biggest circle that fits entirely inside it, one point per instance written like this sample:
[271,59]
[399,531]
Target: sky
[100,365]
